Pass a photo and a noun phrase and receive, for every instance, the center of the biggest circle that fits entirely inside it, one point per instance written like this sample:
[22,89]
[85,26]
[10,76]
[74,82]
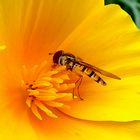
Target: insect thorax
[67,60]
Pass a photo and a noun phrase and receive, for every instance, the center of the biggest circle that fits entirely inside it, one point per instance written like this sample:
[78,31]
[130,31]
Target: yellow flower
[36,100]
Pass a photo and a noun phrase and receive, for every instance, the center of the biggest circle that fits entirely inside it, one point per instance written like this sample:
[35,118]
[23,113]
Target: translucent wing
[103,72]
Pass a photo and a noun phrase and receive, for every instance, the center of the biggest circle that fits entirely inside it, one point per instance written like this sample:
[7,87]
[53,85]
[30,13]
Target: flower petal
[112,43]
[63,127]
[118,101]
[35,28]
[18,122]
[104,37]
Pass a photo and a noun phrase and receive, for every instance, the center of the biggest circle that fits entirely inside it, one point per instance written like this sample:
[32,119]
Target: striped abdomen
[89,72]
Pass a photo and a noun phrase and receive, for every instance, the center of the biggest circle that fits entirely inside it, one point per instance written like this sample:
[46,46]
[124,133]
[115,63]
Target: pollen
[46,89]
[2,47]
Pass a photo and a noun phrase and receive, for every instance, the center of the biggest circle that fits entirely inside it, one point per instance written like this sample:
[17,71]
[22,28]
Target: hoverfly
[76,64]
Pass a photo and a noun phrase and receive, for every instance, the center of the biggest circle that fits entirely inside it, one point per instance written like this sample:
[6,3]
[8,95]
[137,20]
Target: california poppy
[33,102]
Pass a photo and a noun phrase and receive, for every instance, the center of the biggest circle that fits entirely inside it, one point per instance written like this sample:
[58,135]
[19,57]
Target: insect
[77,65]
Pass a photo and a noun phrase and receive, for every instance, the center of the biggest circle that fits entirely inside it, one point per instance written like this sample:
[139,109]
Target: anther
[47,89]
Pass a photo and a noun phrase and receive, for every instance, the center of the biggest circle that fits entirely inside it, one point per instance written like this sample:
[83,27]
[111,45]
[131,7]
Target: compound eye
[56,56]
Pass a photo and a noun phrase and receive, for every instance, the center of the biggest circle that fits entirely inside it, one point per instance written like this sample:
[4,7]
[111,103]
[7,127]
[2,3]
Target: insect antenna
[51,53]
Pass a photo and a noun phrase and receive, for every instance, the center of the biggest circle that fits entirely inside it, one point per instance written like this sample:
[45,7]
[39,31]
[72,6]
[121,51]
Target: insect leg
[75,84]
[79,81]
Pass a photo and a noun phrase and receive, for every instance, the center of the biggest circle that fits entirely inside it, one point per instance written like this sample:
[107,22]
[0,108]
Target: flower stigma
[46,89]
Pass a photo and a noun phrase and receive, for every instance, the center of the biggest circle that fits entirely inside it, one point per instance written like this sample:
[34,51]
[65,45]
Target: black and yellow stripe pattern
[89,72]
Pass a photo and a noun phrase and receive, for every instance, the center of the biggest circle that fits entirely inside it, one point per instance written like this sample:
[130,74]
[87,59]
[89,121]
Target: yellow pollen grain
[46,90]
[2,47]
[54,104]
[33,92]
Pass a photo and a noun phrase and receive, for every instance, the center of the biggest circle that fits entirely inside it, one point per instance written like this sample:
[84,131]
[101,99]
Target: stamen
[46,98]
[46,89]
[29,101]
[45,109]
[35,111]
[33,92]
[42,84]
[54,104]
[63,87]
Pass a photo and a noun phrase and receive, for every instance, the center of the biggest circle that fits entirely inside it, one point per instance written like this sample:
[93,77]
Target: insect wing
[103,72]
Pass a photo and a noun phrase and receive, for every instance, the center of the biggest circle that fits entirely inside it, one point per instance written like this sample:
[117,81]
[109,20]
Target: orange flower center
[46,89]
